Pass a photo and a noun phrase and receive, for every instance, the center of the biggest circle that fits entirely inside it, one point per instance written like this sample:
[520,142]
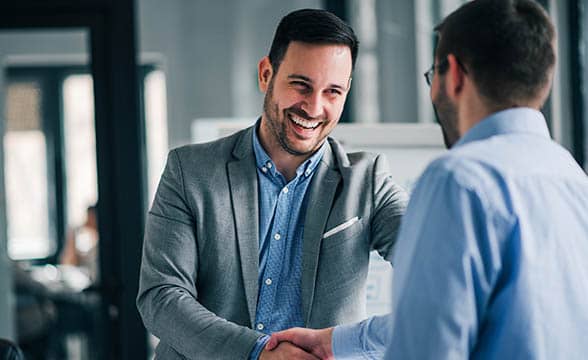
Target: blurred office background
[94,93]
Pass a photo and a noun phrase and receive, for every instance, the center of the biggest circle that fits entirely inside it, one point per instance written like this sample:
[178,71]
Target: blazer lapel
[243,186]
[322,193]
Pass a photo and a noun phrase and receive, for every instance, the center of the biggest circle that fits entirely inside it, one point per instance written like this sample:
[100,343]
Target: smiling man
[270,228]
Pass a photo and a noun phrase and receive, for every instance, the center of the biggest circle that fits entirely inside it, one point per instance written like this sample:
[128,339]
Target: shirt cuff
[347,342]
[258,348]
[364,340]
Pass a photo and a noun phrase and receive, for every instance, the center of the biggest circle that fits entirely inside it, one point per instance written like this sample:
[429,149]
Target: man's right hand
[317,342]
[286,351]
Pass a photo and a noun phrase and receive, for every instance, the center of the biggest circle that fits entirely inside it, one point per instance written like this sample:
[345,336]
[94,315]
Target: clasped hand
[299,343]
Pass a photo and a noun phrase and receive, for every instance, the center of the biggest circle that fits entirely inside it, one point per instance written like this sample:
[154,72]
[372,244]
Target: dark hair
[507,46]
[314,27]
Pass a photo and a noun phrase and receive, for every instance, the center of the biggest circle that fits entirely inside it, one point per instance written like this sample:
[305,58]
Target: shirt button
[269,165]
[277,236]
[264,169]
[260,326]
[285,190]
[268,281]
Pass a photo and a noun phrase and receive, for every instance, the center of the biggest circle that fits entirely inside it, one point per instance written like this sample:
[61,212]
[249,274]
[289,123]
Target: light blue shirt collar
[266,165]
[517,120]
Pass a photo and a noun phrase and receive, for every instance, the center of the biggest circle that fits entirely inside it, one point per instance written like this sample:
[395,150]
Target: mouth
[303,123]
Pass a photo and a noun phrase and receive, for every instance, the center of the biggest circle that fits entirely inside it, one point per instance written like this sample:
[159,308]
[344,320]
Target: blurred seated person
[81,245]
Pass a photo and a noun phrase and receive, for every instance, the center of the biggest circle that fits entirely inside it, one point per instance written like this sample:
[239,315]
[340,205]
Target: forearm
[366,340]
[177,319]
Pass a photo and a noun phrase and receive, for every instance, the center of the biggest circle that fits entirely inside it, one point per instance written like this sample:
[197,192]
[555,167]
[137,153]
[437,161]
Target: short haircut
[507,46]
[311,26]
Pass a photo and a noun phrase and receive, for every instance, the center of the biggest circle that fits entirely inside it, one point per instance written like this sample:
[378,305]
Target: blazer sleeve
[389,205]
[168,298]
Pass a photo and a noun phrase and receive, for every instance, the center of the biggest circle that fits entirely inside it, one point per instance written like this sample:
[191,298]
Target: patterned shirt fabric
[492,256]
[282,210]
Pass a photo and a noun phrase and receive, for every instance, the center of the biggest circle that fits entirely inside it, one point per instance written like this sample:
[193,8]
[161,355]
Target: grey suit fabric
[199,273]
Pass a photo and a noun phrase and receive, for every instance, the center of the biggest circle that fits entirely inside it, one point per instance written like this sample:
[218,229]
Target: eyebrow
[309,80]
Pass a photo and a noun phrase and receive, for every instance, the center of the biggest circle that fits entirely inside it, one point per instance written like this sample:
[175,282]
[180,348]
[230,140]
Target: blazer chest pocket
[342,232]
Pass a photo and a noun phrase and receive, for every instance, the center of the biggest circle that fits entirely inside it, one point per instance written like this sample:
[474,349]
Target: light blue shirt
[282,209]
[492,256]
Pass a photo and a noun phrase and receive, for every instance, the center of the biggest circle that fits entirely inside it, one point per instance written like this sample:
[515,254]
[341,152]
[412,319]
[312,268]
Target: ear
[455,77]
[265,72]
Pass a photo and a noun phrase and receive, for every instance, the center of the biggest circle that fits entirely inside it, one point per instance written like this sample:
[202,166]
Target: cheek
[286,98]
[335,109]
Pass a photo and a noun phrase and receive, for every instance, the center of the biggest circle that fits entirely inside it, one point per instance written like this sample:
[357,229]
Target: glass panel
[25,166]
[156,123]
[23,106]
[80,146]
[48,182]
[81,246]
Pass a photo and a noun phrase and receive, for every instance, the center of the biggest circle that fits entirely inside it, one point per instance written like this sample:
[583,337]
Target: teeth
[304,123]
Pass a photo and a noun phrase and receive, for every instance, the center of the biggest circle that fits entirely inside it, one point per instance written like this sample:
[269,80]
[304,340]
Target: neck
[285,162]
[473,111]
[288,164]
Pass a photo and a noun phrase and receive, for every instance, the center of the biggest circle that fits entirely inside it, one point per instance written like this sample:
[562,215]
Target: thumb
[271,343]
[277,338]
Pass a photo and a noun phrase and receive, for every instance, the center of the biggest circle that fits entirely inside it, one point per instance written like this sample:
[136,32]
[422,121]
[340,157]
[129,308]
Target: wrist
[326,350]
[258,348]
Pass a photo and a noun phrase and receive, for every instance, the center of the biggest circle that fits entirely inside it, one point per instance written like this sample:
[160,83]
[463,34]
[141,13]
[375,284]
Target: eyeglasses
[441,67]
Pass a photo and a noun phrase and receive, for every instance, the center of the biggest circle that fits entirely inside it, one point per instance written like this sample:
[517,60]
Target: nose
[313,105]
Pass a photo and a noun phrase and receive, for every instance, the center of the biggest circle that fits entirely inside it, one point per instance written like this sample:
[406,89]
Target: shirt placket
[278,236]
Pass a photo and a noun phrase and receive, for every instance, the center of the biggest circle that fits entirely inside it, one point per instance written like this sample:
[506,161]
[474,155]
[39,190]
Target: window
[26,176]
[156,127]
[80,146]
[50,152]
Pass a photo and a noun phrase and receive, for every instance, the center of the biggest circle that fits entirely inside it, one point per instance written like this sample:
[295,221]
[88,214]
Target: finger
[279,337]
[271,343]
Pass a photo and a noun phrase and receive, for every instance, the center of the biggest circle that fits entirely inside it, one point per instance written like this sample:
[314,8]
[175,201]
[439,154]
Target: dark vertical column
[578,30]
[583,143]
[547,109]
[341,9]
[121,178]
[53,96]
[396,51]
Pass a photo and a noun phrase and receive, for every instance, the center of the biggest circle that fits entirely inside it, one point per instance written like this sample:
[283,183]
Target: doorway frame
[120,153]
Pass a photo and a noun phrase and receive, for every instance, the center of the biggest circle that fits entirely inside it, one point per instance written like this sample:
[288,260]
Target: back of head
[507,46]
[311,26]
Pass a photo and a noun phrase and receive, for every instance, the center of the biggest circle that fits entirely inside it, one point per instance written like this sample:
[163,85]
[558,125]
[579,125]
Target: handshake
[299,343]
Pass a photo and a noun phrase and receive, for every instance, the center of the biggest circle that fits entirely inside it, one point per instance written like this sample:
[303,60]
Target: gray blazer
[199,273]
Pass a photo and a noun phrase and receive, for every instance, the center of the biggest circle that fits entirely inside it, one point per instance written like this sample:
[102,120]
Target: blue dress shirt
[492,256]
[282,210]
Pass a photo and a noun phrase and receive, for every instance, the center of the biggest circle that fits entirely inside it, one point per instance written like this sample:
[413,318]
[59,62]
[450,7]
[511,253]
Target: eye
[300,86]
[334,92]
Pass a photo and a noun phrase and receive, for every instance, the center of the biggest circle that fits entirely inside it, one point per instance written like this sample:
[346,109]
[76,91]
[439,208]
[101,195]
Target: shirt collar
[266,165]
[517,120]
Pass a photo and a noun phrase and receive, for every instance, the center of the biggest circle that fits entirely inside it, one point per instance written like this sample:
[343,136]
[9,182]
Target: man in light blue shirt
[492,257]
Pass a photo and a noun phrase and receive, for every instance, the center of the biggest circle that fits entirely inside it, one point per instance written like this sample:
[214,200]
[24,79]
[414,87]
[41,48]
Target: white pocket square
[340,227]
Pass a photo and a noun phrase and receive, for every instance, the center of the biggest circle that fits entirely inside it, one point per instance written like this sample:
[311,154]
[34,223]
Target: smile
[304,123]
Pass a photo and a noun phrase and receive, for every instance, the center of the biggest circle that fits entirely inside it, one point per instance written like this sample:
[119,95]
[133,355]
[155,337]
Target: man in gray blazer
[271,227]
